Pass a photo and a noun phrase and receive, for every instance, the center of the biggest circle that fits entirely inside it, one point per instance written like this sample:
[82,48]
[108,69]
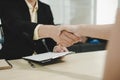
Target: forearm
[96,31]
[48,31]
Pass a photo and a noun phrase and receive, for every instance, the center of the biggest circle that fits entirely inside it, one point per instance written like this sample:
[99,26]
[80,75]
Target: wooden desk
[82,66]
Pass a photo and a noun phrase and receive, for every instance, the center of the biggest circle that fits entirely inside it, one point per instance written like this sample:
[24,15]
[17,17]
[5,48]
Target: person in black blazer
[18,29]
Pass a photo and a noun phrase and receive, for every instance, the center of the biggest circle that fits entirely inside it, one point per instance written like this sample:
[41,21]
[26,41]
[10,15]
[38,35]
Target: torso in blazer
[18,29]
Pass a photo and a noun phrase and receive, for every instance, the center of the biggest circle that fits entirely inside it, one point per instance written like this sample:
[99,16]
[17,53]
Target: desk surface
[82,66]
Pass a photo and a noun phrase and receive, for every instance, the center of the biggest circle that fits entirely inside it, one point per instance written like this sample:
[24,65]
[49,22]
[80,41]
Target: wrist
[43,31]
[48,31]
[80,29]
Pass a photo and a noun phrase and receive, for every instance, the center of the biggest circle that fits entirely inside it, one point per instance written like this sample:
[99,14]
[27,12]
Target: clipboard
[49,57]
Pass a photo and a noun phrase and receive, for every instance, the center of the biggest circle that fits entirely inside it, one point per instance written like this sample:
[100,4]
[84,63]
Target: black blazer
[18,29]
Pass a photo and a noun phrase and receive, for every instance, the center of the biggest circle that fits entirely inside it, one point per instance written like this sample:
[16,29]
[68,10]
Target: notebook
[4,64]
[46,57]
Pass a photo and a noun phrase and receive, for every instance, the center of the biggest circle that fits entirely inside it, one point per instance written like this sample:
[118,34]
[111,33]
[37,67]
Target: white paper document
[46,56]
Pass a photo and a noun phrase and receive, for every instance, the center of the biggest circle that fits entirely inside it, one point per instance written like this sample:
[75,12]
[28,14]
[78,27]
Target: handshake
[64,35]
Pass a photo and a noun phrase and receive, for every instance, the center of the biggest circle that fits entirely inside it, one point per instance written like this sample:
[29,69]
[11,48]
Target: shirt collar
[30,6]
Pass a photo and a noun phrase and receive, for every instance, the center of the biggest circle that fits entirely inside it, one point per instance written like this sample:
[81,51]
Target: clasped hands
[64,35]
[68,35]
[67,38]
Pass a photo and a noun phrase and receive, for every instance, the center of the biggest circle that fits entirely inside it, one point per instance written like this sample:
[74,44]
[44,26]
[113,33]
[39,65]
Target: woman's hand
[59,48]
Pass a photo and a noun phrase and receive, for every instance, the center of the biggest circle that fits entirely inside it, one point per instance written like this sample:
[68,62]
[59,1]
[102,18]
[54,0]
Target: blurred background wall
[83,11]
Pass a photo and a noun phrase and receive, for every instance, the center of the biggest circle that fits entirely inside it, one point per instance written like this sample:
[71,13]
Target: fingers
[68,38]
[59,49]
[83,39]
[70,28]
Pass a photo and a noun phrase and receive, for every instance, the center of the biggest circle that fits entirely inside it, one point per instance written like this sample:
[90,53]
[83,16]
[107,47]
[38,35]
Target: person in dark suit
[19,23]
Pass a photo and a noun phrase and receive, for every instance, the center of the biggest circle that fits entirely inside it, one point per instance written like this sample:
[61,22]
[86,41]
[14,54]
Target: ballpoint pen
[9,63]
[44,43]
[31,64]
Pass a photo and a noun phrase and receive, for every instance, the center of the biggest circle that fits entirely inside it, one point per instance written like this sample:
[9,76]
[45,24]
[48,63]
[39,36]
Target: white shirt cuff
[36,36]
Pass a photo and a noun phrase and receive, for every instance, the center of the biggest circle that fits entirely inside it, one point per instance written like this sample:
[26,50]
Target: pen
[31,64]
[9,63]
[44,43]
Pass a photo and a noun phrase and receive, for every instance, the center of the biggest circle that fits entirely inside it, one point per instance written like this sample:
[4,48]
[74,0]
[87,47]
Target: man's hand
[67,38]
[72,28]
[59,48]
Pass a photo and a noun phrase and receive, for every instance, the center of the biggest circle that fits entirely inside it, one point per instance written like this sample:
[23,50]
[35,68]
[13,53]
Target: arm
[112,66]
[96,31]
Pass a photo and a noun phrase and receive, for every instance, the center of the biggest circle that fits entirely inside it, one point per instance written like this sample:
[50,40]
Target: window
[106,11]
